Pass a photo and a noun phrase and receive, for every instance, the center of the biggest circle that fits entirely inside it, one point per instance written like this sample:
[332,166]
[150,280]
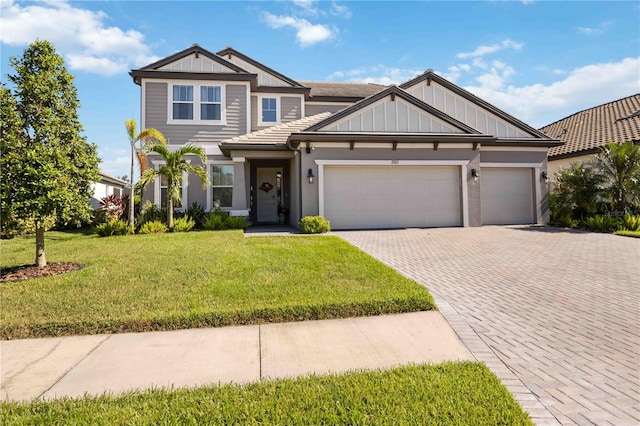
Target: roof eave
[231,50]
[137,75]
[227,147]
[313,136]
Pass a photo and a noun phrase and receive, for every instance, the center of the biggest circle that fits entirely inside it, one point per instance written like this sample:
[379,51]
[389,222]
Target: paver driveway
[556,311]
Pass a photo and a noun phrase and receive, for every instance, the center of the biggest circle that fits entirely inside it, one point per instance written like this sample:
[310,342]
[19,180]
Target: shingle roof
[354,90]
[277,134]
[592,128]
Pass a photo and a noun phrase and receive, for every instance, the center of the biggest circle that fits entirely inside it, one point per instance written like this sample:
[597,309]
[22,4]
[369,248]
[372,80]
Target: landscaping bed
[172,281]
[445,394]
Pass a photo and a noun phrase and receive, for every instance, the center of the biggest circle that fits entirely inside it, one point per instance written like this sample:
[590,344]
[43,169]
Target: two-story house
[425,153]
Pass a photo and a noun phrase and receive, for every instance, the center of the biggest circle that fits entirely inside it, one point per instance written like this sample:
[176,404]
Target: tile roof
[592,128]
[330,88]
[277,134]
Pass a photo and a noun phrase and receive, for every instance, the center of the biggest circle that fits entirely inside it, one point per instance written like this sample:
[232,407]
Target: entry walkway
[73,366]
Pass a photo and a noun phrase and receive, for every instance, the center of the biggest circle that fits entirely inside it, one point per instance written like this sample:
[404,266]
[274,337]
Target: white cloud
[307,33]
[340,10]
[582,88]
[597,30]
[380,74]
[483,50]
[307,7]
[80,35]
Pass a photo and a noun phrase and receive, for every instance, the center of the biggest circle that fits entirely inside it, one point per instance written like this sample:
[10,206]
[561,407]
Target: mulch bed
[27,272]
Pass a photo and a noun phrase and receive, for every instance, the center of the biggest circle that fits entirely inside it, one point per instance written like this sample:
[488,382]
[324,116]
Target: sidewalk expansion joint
[73,366]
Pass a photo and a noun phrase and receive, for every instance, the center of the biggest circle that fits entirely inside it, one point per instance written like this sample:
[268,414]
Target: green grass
[172,281]
[625,233]
[445,394]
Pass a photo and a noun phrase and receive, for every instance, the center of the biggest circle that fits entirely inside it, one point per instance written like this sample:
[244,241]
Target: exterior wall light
[475,175]
[310,176]
[545,177]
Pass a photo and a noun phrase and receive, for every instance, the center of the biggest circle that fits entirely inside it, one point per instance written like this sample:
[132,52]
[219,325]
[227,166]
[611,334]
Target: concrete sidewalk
[73,366]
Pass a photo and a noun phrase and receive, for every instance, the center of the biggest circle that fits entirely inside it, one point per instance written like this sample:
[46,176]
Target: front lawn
[445,394]
[172,281]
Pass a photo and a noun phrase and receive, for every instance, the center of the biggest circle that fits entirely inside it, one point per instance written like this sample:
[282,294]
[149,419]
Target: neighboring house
[107,185]
[423,154]
[586,131]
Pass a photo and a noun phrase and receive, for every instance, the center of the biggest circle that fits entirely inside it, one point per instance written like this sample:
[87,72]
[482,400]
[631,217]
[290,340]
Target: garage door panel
[507,196]
[392,197]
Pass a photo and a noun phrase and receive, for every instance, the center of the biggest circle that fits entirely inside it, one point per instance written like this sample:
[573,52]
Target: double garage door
[378,197]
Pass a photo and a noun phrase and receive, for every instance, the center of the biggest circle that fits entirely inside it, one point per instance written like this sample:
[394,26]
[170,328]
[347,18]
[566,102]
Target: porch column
[239,185]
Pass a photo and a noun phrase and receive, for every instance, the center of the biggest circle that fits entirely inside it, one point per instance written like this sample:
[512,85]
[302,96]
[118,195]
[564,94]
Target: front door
[269,189]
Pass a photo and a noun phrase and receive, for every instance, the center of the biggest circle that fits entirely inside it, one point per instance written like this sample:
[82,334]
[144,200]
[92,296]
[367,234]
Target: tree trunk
[131,194]
[41,259]
[170,213]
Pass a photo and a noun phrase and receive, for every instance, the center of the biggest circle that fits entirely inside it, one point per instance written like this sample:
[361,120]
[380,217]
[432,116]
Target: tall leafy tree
[174,165]
[144,139]
[48,166]
[619,167]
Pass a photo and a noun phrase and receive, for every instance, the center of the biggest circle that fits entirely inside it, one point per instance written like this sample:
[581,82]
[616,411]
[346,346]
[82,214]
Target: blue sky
[539,61]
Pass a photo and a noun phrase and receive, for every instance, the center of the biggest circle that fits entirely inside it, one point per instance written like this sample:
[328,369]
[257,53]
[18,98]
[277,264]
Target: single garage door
[507,196]
[369,197]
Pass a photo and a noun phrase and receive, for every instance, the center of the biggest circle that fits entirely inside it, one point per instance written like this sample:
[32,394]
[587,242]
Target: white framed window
[193,102]
[211,103]
[182,102]
[268,110]
[160,190]
[221,185]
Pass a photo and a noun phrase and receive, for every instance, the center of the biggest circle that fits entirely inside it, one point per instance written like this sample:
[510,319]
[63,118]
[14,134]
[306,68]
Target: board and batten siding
[156,105]
[192,63]
[264,78]
[290,110]
[312,108]
[465,111]
[386,115]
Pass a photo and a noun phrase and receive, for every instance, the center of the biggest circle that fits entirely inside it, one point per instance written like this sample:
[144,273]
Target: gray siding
[291,109]
[314,109]
[310,191]
[513,156]
[177,134]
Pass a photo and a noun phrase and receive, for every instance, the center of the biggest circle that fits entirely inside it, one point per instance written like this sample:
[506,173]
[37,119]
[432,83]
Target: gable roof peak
[231,51]
[194,48]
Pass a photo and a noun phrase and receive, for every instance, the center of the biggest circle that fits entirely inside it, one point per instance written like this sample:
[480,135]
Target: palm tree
[175,165]
[619,166]
[145,137]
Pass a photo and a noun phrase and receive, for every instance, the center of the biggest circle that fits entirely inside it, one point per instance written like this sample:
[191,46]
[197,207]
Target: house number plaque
[395,161]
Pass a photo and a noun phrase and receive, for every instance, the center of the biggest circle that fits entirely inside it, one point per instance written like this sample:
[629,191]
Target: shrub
[626,233]
[237,222]
[113,227]
[629,223]
[314,225]
[183,224]
[150,213]
[197,213]
[601,223]
[114,207]
[153,227]
[214,222]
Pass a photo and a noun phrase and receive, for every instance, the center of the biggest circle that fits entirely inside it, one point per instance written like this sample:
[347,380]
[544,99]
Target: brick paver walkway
[554,313]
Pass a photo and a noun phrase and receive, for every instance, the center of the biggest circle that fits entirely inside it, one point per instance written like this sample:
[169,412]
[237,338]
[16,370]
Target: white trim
[529,165]
[514,148]
[239,212]
[400,145]
[143,103]
[248,90]
[238,160]
[463,176]
[302,110]
[196,102]
[320,103]
[262,96]
[537,195]
[392,162]
[465,195]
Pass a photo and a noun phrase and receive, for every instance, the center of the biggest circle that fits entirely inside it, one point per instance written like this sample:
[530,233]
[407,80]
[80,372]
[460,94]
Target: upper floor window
[210,103]
[269,114]
[196,104]
[182,102]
